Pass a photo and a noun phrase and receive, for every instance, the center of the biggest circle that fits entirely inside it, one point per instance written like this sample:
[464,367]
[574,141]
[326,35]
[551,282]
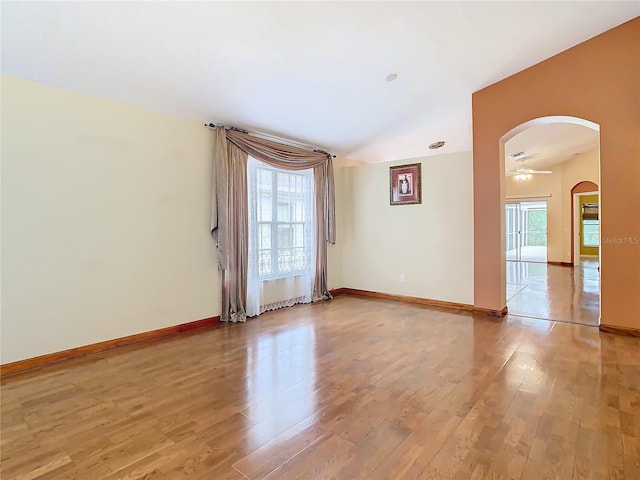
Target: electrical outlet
[402,278]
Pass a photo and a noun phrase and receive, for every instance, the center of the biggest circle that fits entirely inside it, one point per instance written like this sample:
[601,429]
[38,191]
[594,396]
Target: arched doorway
[544,159]
[584,193]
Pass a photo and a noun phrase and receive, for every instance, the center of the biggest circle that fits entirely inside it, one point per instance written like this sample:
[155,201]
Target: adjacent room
[552,222]
[320,240]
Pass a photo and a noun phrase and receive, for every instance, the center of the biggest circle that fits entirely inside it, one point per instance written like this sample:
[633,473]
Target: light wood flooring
[348,389]
[553,292]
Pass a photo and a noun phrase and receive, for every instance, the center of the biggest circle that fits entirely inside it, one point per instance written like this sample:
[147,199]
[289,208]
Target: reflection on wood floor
[552,292]
[348,389]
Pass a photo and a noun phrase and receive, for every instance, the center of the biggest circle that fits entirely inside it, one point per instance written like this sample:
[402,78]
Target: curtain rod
[271,137]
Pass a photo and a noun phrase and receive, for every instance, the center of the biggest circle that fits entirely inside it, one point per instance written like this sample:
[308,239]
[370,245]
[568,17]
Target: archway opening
[542,162]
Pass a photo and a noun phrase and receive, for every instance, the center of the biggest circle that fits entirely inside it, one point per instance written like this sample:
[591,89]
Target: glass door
[526,231]
[512,224]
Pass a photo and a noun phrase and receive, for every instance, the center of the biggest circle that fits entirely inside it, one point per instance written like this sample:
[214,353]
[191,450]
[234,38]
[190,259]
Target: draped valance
[229,219]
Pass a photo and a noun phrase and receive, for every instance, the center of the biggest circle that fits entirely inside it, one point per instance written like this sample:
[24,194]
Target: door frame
[519,199]
[576,225]
[517,226]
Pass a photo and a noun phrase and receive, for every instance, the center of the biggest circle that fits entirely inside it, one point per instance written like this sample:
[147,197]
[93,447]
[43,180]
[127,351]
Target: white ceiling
[309,71]
[549,144]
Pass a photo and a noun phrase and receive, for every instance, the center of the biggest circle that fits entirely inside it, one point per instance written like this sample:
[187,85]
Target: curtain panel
[229,210]
[230,226]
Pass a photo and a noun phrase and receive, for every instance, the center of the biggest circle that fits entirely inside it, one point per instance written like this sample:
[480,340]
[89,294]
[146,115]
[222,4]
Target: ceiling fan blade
[527,171]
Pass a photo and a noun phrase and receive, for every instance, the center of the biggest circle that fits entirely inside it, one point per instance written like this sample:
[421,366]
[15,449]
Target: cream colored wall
[334,252]
[565,176]
[105,220]
[581,168]
[431,243]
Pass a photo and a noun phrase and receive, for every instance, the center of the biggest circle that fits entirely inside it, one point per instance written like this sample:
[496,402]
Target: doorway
[586,228]
[543,220]
[526,231]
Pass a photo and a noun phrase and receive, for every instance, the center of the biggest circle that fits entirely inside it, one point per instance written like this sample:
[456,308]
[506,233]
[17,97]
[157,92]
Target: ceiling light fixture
[436,145]
[391,77]
[523,176]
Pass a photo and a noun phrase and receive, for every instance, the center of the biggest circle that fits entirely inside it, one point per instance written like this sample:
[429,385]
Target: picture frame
[405,184]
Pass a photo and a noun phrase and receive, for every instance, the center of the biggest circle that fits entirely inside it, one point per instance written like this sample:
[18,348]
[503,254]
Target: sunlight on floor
[567,294]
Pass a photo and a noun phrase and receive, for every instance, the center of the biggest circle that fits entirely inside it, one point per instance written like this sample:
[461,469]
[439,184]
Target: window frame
[306,176]
[592,222]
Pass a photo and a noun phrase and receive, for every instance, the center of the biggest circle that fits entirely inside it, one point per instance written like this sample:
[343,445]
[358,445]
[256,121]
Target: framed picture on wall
[405,184]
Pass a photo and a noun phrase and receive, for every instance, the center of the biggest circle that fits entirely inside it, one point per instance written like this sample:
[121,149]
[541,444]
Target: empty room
[320,240]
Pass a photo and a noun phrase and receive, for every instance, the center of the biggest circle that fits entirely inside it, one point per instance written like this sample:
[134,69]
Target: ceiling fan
[525,173]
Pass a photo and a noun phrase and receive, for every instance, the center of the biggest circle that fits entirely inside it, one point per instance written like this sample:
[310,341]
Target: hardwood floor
[553,292]
[348,389]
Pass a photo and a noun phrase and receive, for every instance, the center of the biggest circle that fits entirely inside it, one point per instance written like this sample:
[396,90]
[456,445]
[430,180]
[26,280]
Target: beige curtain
[230,225]
[229,202]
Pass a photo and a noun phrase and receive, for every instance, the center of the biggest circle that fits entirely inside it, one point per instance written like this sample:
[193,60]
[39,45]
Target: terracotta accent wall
[583,187]
[597,80]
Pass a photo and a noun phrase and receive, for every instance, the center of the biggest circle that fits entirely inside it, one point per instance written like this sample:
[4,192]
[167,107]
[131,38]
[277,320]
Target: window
[536,226]
[590,225]
[280,206]
[591,233]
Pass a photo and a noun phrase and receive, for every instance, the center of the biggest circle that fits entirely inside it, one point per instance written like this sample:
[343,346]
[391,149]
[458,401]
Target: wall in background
[431,243]
[582,167]
[105,220]
[334,252]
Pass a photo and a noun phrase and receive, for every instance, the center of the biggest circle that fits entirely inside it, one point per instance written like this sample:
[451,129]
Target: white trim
[547,120]
[527,197]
